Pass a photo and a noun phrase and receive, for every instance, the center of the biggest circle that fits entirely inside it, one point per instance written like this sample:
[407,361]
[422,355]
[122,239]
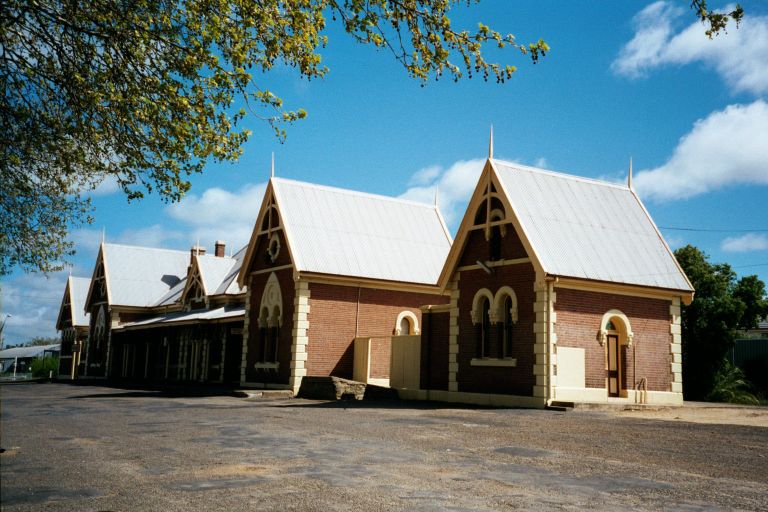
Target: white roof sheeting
[347,233]
[589,229]
[139,276]
[27,352]
[78,293]
[205,315]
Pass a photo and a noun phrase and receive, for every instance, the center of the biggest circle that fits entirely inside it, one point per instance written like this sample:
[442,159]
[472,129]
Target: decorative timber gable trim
[268,222]
[489,187]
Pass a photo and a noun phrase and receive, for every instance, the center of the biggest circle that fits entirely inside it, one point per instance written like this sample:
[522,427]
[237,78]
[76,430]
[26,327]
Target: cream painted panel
[570,367]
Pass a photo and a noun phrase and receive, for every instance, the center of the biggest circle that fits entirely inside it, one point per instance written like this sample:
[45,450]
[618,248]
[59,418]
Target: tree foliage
[146,92]
[722,304]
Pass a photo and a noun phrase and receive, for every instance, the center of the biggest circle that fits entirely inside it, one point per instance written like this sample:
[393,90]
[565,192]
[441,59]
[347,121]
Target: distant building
[23,356]
[73,322]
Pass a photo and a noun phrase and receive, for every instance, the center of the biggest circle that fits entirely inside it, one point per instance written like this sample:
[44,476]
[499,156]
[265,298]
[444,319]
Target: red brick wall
[518,380]
[579,314]
[477,248]
[255,290]
[434,351]
[333,316]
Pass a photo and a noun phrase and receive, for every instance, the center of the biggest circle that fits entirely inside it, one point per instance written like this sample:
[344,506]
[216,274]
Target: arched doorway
[615,336]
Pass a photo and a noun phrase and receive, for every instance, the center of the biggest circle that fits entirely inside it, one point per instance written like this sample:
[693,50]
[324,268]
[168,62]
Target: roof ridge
[347,191]
[529,168]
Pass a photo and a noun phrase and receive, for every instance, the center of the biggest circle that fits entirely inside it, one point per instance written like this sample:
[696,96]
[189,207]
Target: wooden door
[613,365]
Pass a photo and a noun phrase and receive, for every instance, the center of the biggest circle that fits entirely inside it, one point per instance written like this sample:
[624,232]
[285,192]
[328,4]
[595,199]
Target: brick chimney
[220,247]
[195,249]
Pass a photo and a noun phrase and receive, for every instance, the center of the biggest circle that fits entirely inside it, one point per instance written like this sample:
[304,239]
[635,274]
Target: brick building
[158,314]
[561,289]
[331,276]
[73,323]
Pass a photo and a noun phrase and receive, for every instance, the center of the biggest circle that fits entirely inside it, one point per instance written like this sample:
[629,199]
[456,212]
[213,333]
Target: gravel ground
[106,449]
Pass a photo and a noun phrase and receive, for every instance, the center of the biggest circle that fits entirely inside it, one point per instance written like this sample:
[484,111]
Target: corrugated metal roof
[225,312]
[25,352]
[347,233]
[78,292]
[589,229]
[140,276]
[229,284]
[213,270]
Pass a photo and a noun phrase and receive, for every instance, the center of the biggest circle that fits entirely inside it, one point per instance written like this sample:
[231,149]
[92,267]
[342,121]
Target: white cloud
[425,176]
[219,214]
[455,186]
[155,235]
[728,147]
[738,56]
[33,300]
[745,243]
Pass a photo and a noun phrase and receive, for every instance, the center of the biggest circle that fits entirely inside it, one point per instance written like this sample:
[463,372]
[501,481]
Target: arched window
[406,324]
[100,328]
[483,328]
[263,332]
[275,321]
[270,321]
[508,326]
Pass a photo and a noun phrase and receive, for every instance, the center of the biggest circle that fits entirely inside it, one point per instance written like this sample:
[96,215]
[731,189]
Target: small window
[405,326]
[609,326]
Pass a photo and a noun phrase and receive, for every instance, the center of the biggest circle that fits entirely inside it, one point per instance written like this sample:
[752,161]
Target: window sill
[266,366]
[493,362]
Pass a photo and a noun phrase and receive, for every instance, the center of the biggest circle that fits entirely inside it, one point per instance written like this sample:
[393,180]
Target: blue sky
[623,79]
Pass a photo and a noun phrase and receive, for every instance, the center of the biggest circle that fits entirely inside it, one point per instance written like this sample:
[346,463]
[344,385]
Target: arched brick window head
[616,321]
[406,324]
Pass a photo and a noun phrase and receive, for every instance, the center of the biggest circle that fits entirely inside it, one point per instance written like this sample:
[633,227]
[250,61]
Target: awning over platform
[223,314]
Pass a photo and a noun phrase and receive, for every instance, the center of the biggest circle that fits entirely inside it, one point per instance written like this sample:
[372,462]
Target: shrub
[42,366]
[730,385]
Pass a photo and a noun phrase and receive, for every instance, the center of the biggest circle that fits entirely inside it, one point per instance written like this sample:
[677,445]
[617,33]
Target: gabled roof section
[228,285]
[340,232]
[141,276]
[588,229]
[75,293]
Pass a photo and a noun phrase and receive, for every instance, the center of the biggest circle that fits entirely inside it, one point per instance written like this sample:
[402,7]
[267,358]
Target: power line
[706,230]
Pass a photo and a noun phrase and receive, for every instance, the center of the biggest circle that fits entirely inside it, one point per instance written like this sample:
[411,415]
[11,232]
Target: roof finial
[437,195]
[629,177]
[272,172]
[103,234]
[490,145]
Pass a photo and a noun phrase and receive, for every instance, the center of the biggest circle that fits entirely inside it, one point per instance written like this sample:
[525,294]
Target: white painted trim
[493,362]
[626,335]
[476,310]
[617,289]
[272,269]
[411,318]
[300,335]
[600,395]
[493,264]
